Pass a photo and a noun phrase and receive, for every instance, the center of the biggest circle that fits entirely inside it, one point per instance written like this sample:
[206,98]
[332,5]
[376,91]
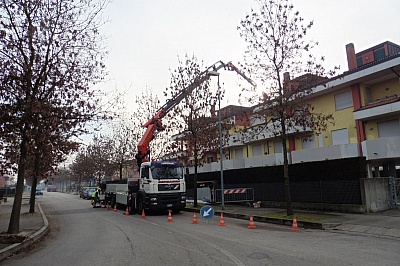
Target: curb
[305,225]
[10,250]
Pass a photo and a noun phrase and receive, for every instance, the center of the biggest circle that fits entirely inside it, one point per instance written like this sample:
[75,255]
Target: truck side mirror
[187,170]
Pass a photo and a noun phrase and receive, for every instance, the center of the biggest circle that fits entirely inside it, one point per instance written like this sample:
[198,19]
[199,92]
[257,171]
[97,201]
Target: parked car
[51,188]
[82,192]
[88,193]
[39,192]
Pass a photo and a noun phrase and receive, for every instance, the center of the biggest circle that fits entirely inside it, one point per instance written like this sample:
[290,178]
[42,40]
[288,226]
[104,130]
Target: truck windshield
[166,172]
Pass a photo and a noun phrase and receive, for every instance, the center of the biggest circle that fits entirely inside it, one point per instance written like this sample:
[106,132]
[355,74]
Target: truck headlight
[183,197]
[153,199]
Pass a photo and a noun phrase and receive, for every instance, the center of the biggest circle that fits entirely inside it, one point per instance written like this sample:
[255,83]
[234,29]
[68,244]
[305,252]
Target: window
[320,141]
[239,154]
[359,61]
[278,148]
[266,148]
[145,172]
[379,54]
[343,100]
[389,128]
[340,136]
[166,172]
[257,150]
[210,158]
[308,142]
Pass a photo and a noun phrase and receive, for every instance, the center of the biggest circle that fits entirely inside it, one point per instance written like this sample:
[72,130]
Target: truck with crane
[161,184]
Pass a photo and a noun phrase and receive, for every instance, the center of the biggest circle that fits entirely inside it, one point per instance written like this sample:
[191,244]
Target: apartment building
[365,103]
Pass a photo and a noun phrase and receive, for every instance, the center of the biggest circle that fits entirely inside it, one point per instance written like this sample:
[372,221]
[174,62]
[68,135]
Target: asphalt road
[81,235]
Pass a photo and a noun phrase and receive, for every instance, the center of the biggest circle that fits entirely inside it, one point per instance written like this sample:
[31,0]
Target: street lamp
[215,73]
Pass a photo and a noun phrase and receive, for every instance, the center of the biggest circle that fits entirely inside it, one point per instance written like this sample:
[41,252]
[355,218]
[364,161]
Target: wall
[383,89]
[375,194]
[342,119]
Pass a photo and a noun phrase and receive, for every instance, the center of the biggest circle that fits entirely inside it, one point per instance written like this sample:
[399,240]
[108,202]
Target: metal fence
[394,185]
[7,191]
[235,195]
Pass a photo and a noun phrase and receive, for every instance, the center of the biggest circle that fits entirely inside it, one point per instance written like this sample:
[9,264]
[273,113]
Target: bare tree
[193,117]
[277,47]
[50,56]
[100,152]
[82,167]
[123,141]
[147,105]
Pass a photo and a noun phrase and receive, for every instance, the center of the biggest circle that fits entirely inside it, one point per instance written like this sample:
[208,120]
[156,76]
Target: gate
[394,185]
[235,195]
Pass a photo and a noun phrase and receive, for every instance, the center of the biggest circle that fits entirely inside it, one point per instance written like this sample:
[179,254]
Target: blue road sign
[207,212]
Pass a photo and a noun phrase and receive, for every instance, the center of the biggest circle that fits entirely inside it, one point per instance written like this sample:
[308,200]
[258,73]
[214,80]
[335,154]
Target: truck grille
[169,199]
[169,187]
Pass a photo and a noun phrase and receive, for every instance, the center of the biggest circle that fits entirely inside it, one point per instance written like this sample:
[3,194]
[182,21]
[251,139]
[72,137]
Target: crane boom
[154,124]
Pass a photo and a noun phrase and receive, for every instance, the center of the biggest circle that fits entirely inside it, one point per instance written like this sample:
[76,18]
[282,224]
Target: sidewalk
[32,226]
[383,224]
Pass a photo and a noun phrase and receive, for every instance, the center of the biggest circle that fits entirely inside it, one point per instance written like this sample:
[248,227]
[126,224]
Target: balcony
[216,166]
[228,165]
[264,160]
[381,148]
[234,140]
[381,108]
[326,153]
[308,155]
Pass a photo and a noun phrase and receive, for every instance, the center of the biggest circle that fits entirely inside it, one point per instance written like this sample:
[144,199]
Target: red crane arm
[154,124]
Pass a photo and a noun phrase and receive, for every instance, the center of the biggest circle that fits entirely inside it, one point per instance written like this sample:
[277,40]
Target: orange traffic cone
[251,224]
[127,211]
[169,217]
[294,225]
[143,215]
[194,219]
[222,220]
[115,208]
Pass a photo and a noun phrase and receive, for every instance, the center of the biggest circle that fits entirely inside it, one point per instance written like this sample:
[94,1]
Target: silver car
[87,194]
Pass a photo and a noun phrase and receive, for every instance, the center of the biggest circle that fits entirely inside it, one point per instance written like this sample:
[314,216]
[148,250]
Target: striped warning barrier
[235,195]
[234,191]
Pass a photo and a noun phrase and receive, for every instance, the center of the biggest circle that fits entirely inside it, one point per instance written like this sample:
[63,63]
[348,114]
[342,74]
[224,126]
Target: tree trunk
[196,161]
[289,207]
[36,170]
[33,194]
[13,227]
[120,171]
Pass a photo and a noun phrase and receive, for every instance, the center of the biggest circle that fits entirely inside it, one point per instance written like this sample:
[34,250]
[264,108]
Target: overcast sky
[146,37]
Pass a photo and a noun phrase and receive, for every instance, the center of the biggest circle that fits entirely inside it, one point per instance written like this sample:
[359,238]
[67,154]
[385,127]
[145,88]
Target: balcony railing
[216,166]
[264,160]
[374,149]
[326,153]
[381,148]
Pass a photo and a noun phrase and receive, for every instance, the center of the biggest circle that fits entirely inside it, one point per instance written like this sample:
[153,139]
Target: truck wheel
[140,205]
[112,202]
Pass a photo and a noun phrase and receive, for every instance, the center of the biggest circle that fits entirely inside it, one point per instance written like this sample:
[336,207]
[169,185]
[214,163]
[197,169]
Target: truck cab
[162,186]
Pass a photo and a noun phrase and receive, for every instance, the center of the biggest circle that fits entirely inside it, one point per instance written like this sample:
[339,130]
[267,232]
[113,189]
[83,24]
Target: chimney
[286,82]
[213,111]
[286,77]
[351,56]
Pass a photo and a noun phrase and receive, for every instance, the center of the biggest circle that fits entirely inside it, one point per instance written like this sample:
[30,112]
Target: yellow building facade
[365,103]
